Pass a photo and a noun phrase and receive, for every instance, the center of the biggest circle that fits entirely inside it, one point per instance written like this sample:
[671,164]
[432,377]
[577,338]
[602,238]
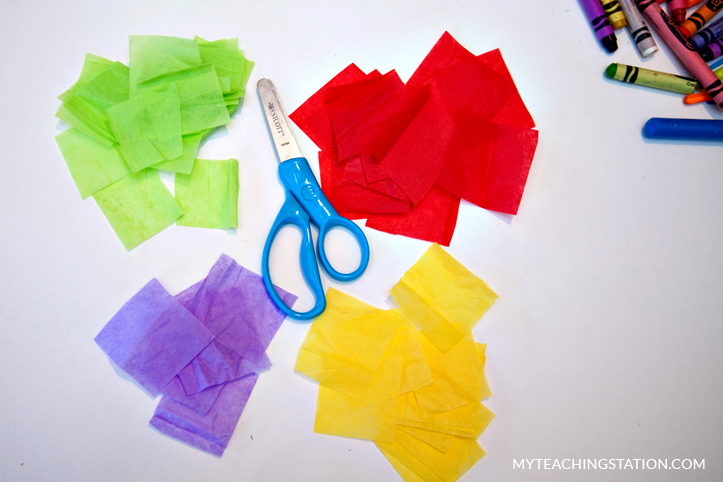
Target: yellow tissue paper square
[466,421]
[339,303]
[438,440]
[337,414]
[342,377]
[443,297]
[439,329]
[407,343]
[357,341]
[395,452]
[406,473]
[481,348]
[372,418]
[385,382]
[443,464]
[458,377]
[346,344]
[429,463]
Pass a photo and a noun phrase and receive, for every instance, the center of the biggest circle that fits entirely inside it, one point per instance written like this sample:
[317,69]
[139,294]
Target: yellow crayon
[615,13]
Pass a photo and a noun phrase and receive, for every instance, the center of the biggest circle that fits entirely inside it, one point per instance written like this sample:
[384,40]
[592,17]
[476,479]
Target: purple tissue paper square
[201,399]
[218,364]
[152,337]
[210,432]
[200,402]
[233,304]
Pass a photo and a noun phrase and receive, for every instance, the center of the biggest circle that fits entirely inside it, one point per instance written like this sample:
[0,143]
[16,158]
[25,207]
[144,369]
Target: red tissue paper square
[352,200]
[402,155]
[417,158]
[433,219]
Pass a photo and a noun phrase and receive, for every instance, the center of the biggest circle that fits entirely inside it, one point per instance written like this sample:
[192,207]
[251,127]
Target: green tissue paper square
[225,85]
[148,128]
[75,121]
[90,101]
[224,43]
[138,207]
[200,96]
[241,92]
[184,164]
[209,195]
[152,56]
[248,67]
[92,66]
[232,99]
[92,164]
[229,63]
[107,88]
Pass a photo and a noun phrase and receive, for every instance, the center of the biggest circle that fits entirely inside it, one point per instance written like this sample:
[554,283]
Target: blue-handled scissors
[304,200]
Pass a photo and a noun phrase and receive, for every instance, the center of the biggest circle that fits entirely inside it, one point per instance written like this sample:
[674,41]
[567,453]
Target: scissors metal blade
[278,122]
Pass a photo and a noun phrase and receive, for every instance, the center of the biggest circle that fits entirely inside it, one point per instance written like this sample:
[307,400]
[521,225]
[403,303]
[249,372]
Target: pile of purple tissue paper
[201,349]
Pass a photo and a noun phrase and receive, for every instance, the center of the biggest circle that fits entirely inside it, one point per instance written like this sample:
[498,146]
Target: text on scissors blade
[277,123]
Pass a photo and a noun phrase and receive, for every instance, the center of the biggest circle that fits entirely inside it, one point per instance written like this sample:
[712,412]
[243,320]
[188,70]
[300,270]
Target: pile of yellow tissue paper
[415,393]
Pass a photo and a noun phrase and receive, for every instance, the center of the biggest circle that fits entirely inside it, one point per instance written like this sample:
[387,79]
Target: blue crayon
[716,64]
[712,32]
[700,129]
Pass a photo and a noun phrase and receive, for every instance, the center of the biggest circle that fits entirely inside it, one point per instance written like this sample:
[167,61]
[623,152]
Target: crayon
[716,64]
[677,11]
[703,96]
[652,78]
[600,24]
[712,51]
[682,48]
[700,129]
[692,3]
[699,18]
[614,13]
[712,32]
[697,98]
[638,28]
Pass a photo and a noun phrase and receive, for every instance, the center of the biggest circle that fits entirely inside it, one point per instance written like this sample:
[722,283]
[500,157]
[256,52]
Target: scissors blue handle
[305,204]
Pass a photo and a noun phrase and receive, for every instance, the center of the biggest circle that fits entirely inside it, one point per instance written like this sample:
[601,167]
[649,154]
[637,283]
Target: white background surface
[605,341]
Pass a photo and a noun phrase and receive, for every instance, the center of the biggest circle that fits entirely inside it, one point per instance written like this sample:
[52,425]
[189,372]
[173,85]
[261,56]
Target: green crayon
[652,78]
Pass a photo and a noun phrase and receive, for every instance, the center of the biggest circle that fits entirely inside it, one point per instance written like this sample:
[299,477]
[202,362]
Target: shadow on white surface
[393,305]
[682,142]
[125,376]
[217,133]
[504,217]
[183,443]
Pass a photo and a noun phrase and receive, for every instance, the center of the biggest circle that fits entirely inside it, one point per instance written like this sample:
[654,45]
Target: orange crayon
[701,16]
[697,98]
